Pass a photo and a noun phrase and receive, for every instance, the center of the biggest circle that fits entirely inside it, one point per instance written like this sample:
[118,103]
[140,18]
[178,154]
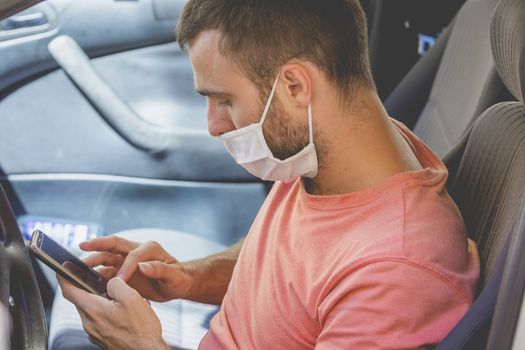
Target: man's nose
[218,122]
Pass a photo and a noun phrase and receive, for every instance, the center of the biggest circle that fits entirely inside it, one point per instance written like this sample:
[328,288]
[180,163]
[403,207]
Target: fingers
[146,252]
[77,296]
[119,291]
[104,259]
[107,272]
[156,270]
[112,244]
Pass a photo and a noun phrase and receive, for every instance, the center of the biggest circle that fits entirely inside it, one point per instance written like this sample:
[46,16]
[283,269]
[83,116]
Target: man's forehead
[208,63]
[205,40]
[204,52]
[211,68]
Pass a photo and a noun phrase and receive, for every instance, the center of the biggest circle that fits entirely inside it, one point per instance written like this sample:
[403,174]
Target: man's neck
[360,148]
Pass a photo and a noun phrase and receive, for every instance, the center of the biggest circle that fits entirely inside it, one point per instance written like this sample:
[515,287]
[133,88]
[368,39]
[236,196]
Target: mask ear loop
[270,98]
[269,103]
[310,123]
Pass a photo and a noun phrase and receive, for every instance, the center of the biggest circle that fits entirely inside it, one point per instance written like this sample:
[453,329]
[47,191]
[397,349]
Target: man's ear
[297,83]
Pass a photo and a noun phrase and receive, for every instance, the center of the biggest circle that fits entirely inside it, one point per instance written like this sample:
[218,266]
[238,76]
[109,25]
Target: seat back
[489,186]
[464,85]
[508,46]
[400,32]
[489,190]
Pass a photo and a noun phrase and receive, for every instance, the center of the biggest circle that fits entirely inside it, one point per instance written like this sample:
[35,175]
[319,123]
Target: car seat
[490,191]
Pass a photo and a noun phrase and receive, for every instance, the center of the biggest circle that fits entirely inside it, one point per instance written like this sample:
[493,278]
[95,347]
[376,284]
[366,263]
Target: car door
[70,169]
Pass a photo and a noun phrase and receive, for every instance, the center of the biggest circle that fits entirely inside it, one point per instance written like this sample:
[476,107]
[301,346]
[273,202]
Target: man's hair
[262,35]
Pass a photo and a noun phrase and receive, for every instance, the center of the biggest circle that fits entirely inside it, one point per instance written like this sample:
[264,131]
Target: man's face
[234,100]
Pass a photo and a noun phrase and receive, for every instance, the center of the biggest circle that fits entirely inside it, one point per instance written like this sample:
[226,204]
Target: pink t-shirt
[389,267]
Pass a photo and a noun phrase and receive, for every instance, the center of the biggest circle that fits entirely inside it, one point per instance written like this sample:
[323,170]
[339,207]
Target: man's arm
[390,304]
[213,274]
[127,321]
[158,276]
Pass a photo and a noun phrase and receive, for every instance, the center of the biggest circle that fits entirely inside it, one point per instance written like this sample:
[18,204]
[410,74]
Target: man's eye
[227,103]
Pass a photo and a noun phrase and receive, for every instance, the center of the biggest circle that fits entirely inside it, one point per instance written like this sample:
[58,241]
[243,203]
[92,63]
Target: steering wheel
[18,287]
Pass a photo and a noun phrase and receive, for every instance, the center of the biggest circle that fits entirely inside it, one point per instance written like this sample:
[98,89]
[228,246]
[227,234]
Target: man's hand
[158,276]
[126,322]
[146,267]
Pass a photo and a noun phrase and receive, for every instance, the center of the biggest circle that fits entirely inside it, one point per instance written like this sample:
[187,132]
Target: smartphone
[66,264]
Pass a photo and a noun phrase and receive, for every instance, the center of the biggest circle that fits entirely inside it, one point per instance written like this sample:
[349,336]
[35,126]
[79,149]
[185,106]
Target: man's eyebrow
[212,93]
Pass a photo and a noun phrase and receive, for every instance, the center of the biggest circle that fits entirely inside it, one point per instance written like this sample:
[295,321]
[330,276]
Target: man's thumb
[119,291]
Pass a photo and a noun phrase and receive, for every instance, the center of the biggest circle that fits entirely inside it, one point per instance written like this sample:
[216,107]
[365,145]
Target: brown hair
[262,35]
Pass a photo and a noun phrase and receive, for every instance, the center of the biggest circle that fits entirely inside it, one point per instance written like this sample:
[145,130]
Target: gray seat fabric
[508,45]
[467,68]
[489,188]
[466,82]
[184,323]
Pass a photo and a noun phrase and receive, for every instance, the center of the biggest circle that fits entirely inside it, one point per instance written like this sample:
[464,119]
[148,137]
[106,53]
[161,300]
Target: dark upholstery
[441,107]
[411,95]
[398,32]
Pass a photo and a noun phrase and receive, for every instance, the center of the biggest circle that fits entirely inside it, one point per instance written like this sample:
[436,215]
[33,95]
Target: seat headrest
[507,35]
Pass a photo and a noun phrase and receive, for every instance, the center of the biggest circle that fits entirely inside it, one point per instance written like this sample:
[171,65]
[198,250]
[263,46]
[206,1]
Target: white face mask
[249,149]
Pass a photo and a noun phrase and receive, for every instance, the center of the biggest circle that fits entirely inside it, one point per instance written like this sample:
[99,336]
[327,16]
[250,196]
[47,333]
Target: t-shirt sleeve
[389,305]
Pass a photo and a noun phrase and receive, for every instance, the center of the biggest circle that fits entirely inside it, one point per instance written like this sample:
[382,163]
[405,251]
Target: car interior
[102,133]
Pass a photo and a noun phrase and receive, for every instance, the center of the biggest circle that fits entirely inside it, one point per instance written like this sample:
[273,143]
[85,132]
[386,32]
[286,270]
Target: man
[357,246]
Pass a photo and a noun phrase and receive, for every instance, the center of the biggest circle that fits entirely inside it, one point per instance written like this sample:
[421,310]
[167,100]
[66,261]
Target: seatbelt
[471,333]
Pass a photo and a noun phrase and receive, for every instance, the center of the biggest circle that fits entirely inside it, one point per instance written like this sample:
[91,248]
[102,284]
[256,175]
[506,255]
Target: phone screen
[71,264]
